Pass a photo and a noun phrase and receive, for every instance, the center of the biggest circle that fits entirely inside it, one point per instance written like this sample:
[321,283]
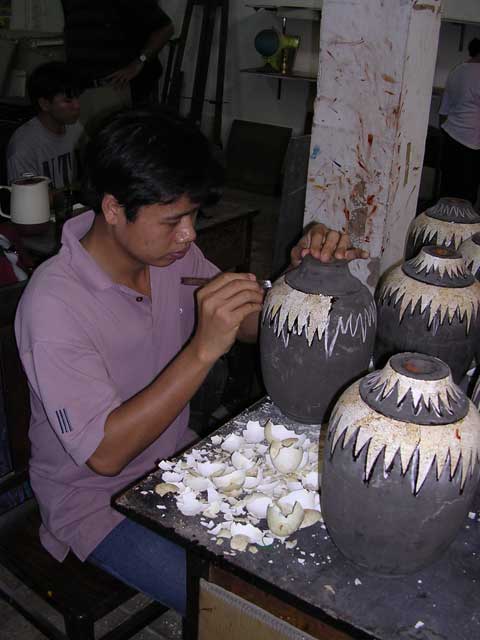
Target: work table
[315,580]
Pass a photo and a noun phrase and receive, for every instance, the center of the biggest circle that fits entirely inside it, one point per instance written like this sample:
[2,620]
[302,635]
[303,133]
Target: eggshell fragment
[230,481]
[285,458]
[207,469]
[165,487]
[254,433]
[239,542]
[277,432]
[311,517]
[284,524]
[232,443]
[240,461]
[257,505]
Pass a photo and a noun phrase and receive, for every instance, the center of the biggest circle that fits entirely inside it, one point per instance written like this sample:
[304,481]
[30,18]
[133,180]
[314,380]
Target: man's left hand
[324,244]
[120,79]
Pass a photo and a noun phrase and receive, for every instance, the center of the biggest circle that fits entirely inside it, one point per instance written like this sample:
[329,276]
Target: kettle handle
[5,215]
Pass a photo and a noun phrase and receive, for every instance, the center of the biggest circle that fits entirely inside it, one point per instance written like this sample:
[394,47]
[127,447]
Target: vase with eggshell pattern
[447,224]
[316,336]
[470,250]
[401,465]
[430,304]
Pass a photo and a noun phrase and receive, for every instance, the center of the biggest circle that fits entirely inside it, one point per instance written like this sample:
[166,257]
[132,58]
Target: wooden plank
[275,606]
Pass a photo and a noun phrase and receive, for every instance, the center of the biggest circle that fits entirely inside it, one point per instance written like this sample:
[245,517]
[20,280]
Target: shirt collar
[80,260]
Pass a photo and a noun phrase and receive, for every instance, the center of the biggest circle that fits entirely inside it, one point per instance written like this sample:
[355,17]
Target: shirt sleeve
[67,374]
[18,164]
[76,392]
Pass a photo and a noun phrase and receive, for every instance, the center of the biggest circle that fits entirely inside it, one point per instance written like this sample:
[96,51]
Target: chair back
[7,128]
[292,204]
[255,156]
[14,393]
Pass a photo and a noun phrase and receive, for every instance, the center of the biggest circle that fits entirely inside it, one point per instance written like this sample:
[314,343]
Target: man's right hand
[223,304]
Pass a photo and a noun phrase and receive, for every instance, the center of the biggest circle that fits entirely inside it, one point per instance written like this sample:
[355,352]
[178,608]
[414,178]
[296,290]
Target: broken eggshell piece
[267,474]
[284,520]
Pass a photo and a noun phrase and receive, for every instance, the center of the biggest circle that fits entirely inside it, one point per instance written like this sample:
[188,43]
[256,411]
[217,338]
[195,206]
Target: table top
[440,602]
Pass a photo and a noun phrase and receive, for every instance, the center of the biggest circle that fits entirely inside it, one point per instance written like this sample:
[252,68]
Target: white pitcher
[29,203]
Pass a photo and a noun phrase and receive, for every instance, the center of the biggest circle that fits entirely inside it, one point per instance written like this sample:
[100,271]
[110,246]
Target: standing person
[47,145]
[460,121]
[107,337]
[114,45]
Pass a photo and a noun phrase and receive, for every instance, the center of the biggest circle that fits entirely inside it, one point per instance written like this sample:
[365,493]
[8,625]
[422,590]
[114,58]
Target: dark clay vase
[317,335]
[430,304]
[447,224]
[470,250]
[401,465]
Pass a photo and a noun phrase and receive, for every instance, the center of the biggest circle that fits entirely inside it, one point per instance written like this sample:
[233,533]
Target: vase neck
[439,267]
[454,210]
[326,278]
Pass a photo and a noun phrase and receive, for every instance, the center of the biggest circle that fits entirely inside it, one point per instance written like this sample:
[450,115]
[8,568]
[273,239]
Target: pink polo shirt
[88,345]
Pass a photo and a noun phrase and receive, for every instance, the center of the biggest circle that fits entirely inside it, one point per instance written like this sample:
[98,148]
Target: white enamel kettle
[29,203]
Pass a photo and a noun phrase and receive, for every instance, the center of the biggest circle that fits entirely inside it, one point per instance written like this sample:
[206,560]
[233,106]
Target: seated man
[47,144]
[107,335]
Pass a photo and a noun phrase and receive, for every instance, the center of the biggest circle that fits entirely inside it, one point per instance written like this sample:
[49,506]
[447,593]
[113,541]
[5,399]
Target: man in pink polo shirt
[108,338]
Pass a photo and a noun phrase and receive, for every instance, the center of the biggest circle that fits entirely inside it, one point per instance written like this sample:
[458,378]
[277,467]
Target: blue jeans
[145,561]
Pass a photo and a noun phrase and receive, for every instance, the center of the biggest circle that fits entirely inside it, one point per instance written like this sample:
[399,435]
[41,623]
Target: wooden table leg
[196,568]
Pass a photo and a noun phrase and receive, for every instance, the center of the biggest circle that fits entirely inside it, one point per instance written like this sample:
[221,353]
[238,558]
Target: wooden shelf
[260,71]
[306,11]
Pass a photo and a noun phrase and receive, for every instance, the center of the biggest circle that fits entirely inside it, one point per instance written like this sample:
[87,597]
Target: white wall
[249,97]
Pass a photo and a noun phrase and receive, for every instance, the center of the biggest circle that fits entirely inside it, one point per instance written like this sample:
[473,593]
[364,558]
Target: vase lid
[439,267]
[454,210]
[416,388]
[327,278]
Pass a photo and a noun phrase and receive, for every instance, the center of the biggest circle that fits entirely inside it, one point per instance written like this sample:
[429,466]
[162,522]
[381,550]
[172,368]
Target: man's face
[160,233]
[62,108]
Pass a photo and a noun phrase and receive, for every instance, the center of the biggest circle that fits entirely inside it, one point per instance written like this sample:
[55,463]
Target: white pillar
[377,61]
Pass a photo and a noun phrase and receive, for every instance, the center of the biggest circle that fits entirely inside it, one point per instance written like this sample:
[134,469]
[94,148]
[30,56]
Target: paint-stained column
[376,70]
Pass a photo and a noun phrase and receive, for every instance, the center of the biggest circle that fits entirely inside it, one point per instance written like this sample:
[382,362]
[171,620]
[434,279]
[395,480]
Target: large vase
[430,304]
[401,465]
[447,224]
[470,250]
[317,335]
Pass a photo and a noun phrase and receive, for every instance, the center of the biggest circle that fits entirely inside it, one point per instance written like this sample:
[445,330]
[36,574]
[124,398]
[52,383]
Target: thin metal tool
[198,282]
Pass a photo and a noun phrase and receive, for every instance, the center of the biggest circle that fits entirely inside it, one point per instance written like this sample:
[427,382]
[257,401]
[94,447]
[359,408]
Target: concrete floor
[168,626]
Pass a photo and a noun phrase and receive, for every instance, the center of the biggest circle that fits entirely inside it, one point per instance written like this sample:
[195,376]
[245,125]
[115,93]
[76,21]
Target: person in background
[47,144]
[114,44]
[107,335]
[460,121]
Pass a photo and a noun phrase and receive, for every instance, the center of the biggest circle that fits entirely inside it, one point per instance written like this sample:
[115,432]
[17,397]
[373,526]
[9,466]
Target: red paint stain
[388,78]
[370,200]
[360,164]
[457,434]
[374,209]
[370,139]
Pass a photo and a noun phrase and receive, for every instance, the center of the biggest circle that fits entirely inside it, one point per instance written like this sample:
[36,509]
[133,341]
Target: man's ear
[44,104]
[112,210]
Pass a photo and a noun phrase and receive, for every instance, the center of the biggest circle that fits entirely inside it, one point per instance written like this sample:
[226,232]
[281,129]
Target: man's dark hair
[51,79]
[474,47]
[149,156]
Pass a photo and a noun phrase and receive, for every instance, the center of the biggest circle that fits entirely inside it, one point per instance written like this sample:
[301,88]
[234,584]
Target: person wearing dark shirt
[116,43]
